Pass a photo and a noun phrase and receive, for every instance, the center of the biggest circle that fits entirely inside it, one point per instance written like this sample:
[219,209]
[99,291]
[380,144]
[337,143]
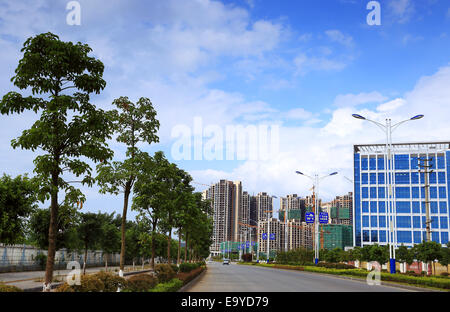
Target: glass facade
[371,199]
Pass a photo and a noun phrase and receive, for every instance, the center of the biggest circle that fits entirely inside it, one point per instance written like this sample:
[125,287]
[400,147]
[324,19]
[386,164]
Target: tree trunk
[179,246]
[169,244]
[124,221]
[106,263]
[153,251]
[52,230]
[85,259]
[185,248]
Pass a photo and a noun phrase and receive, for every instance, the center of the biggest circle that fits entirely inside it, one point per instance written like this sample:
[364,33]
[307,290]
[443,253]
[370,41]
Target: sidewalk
[30,279]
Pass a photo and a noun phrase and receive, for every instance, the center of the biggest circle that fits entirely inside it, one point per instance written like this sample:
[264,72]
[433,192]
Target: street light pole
[316,181]
[389,167]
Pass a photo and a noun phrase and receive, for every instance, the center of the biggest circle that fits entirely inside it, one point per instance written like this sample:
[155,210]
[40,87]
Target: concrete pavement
[244,278]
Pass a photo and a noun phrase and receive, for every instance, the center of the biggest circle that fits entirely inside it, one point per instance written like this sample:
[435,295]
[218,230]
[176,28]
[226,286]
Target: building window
[434,222]
[443,207]
[414,162]
[365,192]
[415,192]
[432,178]
[403,207]
[365,236]
[441,177]
[402,178]
[444,224]
[381,192]
[402,192]
[365,221]
[441,162]
[434,207]
[364,163]
[444,237]
[380,161]
[381,178]
[414,177]
[382,236]
[365,206]
[373,163]
[416,207]
[404,222]
[416,222]
[374,235]
[373,178]
[401,162]
[364,178]
[435,237]
[404,237]
[373,221]
[382,221]
[373,206]
[442,192]
[417,238]
[382,207]
[433,192]
[373,192]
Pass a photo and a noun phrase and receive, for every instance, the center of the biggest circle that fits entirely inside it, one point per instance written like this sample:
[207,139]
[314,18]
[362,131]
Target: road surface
[245,278]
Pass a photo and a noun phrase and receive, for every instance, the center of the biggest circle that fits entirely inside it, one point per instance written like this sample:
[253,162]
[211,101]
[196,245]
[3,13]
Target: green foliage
[141,283]
[111,281]
[247,257]
[164,272]
[405,254]
[298,256]
[334,256]
[18,199]
[9,288]
[89,283]
[171,286]
[186,267]
[335,266]
[41,259]
[427,251]
[66,236]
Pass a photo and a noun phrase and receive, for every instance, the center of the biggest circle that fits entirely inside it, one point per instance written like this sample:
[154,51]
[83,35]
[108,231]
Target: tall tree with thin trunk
[135,123]
[60,76]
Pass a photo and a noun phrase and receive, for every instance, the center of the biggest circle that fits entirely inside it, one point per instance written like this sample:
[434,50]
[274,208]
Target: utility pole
[425,166]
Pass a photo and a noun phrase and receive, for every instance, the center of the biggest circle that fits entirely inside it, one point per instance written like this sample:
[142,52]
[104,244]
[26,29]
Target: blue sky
[302,65]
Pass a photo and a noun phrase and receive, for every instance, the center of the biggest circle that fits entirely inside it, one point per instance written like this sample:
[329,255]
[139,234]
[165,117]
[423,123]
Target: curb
[191,283]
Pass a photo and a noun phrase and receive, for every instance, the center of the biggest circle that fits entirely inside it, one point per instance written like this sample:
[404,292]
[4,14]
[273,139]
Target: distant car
[226,261]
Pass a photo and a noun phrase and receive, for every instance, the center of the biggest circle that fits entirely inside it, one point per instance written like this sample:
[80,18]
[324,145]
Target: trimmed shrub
[9,288]
[141,283]
[89,283]
[187,277]
[444,274]
[171,286]
[187,267]
[111,281]
[164,272]
[174,268]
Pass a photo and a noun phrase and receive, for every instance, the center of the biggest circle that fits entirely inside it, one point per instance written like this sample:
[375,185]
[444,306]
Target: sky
[301,67]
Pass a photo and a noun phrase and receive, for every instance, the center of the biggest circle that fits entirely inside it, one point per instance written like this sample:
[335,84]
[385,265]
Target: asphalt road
[244,278]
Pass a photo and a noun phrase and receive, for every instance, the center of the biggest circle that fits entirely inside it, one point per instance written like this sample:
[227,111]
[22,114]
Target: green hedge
[9,288]
[171,286]
[188,267]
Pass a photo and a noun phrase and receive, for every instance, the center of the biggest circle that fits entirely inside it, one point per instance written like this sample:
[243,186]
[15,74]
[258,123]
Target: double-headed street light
[316,179]
[388,128]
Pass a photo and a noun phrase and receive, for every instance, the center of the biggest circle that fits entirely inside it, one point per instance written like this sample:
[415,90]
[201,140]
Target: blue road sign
[309,216]
[272,236]
[264,236]
[323,217]
[247,244]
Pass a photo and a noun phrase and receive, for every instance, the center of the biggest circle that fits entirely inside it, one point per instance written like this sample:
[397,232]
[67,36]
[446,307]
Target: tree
[18,198]
[405,254]
[150,192]
[66,224]
[334,256]
[427,252]
[90,232]
[445,256]
[110,238]
[69,126]
[378,253]
[135,123]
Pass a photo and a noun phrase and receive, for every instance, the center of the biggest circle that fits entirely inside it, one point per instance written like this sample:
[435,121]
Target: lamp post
[388,128]
[316,179]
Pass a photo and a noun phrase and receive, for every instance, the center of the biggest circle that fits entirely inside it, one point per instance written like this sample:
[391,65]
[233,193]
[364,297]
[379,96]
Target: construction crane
[208,185]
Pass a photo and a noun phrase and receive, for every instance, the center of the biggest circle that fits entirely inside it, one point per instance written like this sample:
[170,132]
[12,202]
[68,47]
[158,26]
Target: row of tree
[70,131]
[425,252]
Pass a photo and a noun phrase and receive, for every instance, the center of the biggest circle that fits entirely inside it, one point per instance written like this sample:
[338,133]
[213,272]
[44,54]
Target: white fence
[14,258]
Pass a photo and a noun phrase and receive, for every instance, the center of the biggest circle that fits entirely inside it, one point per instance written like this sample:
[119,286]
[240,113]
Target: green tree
[428,252]
[90,232]
[69,126]
[151,193]
[135,123]
[445,256]
[67,222]
[18,199]
[378,253]
[404,254]
[110,238]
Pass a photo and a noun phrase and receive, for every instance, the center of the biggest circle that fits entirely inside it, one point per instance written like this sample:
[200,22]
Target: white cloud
[391,105]
[337,36]
[402,10]
[305,64]
[350,100]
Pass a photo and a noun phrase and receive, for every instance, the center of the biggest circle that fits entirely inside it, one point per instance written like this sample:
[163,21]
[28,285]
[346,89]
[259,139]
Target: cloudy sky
[304,66]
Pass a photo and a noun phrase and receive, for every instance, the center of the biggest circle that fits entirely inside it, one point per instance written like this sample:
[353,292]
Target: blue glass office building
[370,204]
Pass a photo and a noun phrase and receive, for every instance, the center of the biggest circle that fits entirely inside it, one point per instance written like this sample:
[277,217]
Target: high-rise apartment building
[372,219]
[292,206]
[264,206]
